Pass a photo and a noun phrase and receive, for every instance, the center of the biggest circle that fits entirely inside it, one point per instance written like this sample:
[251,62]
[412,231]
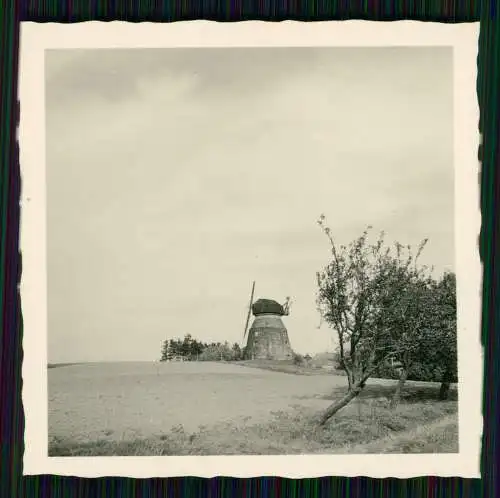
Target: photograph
[252,251]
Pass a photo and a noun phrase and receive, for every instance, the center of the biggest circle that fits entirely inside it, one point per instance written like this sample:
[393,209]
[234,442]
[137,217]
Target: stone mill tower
[268,337]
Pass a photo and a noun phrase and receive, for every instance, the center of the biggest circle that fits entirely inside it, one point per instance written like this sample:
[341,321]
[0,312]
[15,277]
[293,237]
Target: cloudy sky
[175,177]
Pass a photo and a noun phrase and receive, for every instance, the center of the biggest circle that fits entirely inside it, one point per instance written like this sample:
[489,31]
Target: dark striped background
[12,484]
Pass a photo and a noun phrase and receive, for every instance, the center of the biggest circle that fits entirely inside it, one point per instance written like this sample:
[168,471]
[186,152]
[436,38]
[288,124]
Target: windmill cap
[267,306]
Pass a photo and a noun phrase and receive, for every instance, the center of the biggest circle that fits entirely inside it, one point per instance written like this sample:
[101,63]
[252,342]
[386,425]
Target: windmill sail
[249,312]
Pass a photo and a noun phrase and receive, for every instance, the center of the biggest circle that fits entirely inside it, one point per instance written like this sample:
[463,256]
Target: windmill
[249,312]
[267,337]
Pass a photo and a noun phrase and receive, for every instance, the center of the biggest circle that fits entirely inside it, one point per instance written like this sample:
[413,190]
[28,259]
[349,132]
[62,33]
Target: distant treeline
[190,349]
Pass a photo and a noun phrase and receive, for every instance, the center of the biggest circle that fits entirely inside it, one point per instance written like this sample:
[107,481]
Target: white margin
[35,38]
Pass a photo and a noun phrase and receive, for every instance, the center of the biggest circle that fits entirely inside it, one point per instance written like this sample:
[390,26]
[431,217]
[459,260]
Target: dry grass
[365,426]
[147,409]
[287,366]
[440,436]
[139,400]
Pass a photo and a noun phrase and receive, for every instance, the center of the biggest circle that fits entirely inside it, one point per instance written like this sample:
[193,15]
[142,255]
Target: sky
[176,177]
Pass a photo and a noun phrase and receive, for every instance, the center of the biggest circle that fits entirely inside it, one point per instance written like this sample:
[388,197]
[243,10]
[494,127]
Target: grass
[441,435]
[420,424]
[413,392]
[285,366]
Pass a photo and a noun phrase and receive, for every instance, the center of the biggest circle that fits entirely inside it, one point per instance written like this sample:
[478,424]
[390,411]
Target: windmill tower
[267,337]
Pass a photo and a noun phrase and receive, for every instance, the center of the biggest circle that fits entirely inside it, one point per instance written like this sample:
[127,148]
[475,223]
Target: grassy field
[212,408]
[287,366]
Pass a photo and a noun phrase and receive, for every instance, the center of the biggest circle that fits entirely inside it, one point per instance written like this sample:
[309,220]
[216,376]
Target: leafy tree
[226,352]
[165,350]
[176,347]
[361,295]
[210,353]
[217,352]
[404,312]
[196,349]
[237,354]
[426,327]
[186,346]
[437,348]
[173,347]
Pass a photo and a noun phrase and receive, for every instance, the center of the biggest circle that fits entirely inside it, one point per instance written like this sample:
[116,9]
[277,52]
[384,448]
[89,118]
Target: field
[217,408]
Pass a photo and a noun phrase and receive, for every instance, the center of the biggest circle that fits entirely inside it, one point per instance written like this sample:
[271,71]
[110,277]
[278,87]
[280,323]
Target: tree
[447,319]
[226,352]
[196,349]
[217,352]
[359,292]
[405,310]
[165,350]
[236,352]
[176,347]
[298,359]
[406,322]
[437,349]
[186,346]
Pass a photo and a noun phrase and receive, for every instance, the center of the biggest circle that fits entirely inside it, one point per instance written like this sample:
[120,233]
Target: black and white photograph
[254,250]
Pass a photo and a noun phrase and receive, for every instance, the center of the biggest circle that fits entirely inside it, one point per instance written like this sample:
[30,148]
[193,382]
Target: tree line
[190,349]
[386,308]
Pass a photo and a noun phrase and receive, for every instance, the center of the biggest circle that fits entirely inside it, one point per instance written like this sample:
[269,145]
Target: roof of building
[263,306]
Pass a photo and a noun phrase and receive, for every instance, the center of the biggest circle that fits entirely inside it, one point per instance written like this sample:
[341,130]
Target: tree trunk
[335,407]
[348,373]
[396,398]
[349,381]
[353,392]
[444,390]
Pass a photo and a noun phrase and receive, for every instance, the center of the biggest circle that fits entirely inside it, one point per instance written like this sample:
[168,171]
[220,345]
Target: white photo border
[36,38]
